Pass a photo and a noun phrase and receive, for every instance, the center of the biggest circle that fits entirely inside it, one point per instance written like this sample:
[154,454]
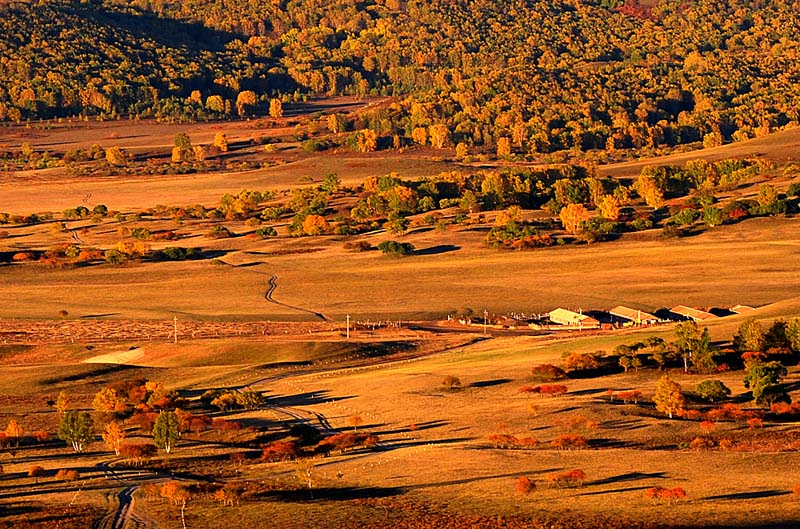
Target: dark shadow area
[610,443]
[474,479]
[167,31]
[91,373]
[95,316]
[666,314]
[335,494]
[628,476]
[417,427]
[438,249]
[614,491]
[627,425]
[303,399]
[489,383]
[754,495]
[588,392]
[716,311]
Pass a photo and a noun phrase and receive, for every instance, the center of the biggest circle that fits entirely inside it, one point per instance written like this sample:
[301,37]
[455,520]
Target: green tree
[751,337]
[793,334]
[694,345]
[77,429]
[330,183]
[713,216]
[668,398]
[763,380]
[166,430]
[712,390]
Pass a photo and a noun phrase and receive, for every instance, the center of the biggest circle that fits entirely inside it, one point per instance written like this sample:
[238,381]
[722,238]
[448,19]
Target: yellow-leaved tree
[573,216]
[669,398]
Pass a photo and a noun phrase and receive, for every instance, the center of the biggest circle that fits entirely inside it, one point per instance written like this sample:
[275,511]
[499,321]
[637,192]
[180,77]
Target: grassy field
[751,263]
[435,465]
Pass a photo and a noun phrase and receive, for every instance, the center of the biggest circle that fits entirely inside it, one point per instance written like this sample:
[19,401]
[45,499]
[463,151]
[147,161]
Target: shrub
[754,423]
[451,382]
[547,373]
[525,485]
[68,475]
[136,453]
[344,441]
[569,442]
[280,451]
[224,425]
[176,253]
[503,440]
[219,232]
[42,436]
[712,390]
[36,472]
[701,443]
[708,426]
[553,390]
[632,395]
[396,248]
[582,361]
[357,246]
[730,412]
[656,494]
[266,231]
[571,478]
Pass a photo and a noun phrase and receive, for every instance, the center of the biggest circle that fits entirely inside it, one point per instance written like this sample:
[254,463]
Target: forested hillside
[520,77]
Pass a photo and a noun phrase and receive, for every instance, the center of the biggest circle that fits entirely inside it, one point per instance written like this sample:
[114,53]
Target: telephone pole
[348,326]
[485,318]
[175,324]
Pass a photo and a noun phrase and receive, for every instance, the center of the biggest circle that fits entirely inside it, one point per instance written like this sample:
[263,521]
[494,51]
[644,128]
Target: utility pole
[348,326]
[485,320]
[175,323]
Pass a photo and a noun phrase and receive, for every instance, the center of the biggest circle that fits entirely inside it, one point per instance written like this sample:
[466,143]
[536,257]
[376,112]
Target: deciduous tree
[77,429]
[166,430]
[275,108]
[573,217]
[668,398]
[113,436]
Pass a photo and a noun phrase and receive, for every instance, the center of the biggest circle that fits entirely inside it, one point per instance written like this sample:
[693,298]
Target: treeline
[516,78]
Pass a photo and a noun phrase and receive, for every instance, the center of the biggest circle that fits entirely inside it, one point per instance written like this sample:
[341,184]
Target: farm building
[693,313]
[632,315]
[572,319]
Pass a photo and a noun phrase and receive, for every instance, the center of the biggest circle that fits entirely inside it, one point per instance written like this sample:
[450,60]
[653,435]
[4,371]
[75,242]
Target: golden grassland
[435,461]
[435,466]
[751,263]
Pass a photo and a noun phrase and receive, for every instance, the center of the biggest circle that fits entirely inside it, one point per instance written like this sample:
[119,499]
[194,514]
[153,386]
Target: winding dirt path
[272,286]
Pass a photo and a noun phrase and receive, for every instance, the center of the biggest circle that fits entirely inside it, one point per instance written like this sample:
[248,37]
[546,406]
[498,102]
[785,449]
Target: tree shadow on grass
[335,494]
[628,425]
[753,495]
[614,491]
[628,476]
[593,391]
[489,383]
[438,249]
[417,427]
[475,479]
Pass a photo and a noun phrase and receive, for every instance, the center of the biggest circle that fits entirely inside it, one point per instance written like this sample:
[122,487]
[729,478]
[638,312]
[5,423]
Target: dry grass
[750,263]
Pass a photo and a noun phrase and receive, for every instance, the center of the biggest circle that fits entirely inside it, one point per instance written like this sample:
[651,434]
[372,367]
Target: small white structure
[693,313]
[572,319]
[637,317]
